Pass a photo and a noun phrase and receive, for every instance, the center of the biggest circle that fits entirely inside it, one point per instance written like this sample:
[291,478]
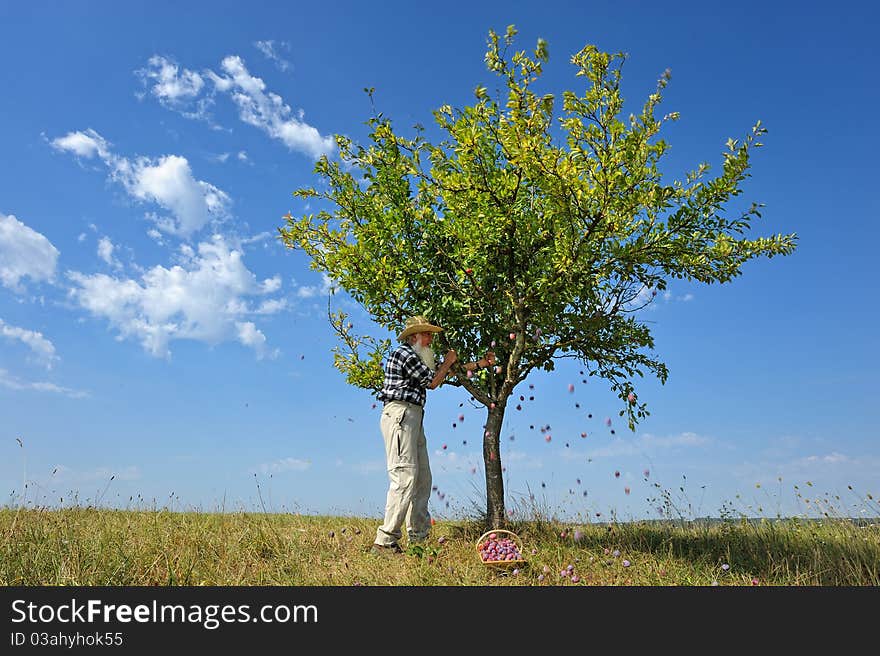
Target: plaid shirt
[406,377]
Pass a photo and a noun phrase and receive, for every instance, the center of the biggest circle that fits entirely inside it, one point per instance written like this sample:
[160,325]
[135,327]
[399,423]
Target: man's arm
[482,363]
[443,369]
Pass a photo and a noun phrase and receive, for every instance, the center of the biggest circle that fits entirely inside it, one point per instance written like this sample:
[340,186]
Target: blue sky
[153,329]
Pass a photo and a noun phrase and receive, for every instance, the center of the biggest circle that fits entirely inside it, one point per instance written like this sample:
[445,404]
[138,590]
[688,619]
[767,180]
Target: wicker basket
[503,564]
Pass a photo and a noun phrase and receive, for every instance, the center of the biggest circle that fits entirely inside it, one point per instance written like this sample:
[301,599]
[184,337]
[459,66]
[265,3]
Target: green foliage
[422,551]
[519,240]
[503,228]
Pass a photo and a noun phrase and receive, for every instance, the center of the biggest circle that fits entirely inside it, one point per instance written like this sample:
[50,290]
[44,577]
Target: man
[409,372]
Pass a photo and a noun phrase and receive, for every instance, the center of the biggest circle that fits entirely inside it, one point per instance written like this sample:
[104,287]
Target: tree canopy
[530,231]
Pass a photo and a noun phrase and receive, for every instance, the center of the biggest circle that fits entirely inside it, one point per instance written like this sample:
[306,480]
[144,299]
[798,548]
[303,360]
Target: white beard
[427,355]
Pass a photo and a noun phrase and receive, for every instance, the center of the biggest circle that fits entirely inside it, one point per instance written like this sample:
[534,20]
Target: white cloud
[10,381]
[167,181]
[83,144]
[250,335]
[175,88]
[263,236]
[242,156]
[172,84]
[684,298]
[828,459]
[267,111]
[823,469]
[648,443]
[310,291]
[180,91]
[282,465]
[42,347]
[272,306]
[202,299]
[271,285]
[642,298]
[105,252]
[269,50]
[24,252]
[156,236]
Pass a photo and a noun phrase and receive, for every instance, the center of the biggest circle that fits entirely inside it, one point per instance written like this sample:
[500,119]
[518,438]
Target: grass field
[94,546]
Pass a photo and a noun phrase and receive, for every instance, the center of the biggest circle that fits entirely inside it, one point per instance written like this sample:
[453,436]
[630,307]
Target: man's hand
[443,369]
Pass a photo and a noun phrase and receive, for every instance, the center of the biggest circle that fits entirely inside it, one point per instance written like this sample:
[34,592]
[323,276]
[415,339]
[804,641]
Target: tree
[537,238]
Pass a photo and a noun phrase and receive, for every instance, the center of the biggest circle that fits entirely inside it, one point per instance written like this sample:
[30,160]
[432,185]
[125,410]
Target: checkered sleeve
[416,370]
[406,377]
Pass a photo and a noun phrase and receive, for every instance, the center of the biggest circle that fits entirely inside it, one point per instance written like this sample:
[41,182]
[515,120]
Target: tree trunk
[495,516]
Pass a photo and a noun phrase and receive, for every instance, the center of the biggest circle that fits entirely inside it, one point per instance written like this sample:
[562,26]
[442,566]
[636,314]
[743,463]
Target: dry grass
[90,546]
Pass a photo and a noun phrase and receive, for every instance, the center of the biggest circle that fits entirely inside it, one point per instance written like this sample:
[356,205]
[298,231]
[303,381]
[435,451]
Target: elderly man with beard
[410,371]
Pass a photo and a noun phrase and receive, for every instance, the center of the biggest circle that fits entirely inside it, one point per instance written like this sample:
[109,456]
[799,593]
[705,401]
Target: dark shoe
[386,550]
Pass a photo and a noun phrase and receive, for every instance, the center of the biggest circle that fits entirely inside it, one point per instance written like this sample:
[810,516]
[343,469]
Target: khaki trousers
[409,473]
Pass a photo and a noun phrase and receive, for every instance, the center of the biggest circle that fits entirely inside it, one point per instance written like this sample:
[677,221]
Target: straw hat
[417,324]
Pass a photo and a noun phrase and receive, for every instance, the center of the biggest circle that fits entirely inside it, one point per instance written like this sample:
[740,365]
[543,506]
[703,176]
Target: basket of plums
[500,548]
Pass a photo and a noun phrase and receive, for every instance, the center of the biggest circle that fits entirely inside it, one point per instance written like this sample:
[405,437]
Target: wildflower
[755,581]
[626,563]
[540,577]
[615,553]
[546,569]
[725,567]
[578,535]
[515,571]
[575,579]
[714,582]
